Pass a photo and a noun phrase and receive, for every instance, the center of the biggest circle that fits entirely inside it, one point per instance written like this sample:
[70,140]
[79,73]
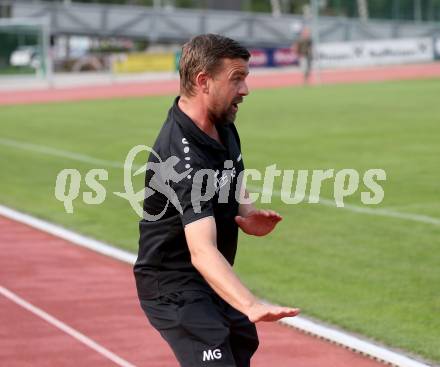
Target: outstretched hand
[266,312]
[258,222]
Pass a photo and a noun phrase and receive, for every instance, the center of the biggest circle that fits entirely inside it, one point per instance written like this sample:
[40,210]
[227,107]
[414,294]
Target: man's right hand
[267,312]
[201,236]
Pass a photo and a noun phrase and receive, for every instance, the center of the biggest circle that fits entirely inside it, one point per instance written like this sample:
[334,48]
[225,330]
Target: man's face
[228,89]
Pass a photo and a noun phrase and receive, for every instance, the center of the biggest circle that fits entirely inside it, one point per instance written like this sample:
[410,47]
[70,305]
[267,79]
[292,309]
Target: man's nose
[244,90]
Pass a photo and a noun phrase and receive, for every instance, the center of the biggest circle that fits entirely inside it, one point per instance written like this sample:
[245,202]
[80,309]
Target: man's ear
[202,82]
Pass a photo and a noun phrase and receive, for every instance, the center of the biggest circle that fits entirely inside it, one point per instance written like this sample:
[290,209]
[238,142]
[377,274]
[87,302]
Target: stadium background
[370,271]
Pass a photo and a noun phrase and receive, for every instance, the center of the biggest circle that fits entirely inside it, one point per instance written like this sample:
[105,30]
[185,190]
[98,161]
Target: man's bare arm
[245,208]
[201,238]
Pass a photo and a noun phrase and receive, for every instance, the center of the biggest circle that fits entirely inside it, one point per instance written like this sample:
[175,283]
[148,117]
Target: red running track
[256,80]
[96,296]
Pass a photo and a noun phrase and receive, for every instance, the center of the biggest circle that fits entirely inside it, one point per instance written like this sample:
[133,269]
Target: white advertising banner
[378,52]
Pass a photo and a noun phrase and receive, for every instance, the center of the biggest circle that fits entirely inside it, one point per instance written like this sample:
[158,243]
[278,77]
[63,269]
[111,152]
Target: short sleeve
[190,187]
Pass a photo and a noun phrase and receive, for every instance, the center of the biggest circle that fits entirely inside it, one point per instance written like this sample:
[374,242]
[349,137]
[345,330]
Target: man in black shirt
[192,212]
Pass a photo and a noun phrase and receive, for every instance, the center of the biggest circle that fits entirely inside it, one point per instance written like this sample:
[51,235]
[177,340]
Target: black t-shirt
[179,191]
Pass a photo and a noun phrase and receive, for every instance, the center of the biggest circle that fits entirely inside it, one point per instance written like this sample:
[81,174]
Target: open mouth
[235,104]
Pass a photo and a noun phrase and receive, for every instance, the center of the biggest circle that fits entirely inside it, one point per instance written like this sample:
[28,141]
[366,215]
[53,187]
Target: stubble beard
[222,117]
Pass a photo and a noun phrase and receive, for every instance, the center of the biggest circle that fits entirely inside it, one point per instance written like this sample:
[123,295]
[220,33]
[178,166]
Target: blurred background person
[303,47]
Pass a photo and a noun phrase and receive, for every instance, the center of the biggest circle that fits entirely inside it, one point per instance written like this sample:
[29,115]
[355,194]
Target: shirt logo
[210,355]
[226,177]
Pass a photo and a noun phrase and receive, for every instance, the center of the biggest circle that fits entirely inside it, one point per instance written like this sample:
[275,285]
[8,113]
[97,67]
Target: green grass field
[371,274]
[14,70]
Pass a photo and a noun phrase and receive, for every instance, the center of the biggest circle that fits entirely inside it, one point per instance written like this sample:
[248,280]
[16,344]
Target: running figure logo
[163,174]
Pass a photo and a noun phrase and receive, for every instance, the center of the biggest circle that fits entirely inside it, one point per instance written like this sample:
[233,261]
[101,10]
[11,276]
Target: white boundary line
[352,342]
[64,327]
[363,209]
[299,322]
[323,201]
[68,235]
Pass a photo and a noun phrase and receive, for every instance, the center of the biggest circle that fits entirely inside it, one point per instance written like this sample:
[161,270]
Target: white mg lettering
[209,355]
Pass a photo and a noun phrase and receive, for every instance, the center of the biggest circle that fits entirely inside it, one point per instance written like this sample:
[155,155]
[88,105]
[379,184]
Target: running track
[96,296]
[93,297]
[257,80]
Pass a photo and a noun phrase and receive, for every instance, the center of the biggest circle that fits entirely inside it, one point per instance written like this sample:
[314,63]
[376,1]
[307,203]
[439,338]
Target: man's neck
[196,111]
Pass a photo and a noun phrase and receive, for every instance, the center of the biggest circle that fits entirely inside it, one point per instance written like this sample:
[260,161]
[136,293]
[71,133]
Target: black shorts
[202,329]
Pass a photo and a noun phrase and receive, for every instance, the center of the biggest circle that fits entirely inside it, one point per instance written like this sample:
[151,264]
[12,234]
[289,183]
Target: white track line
[366,210]
[299,322]
[70,236]
[352,342]
[66,328]
[58,153]
[323,201]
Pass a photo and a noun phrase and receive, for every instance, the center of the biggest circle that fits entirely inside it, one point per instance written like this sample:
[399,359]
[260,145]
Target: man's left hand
[258,222]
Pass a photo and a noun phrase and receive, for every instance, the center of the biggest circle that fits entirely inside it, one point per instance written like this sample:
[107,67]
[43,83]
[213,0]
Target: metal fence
[178,25]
